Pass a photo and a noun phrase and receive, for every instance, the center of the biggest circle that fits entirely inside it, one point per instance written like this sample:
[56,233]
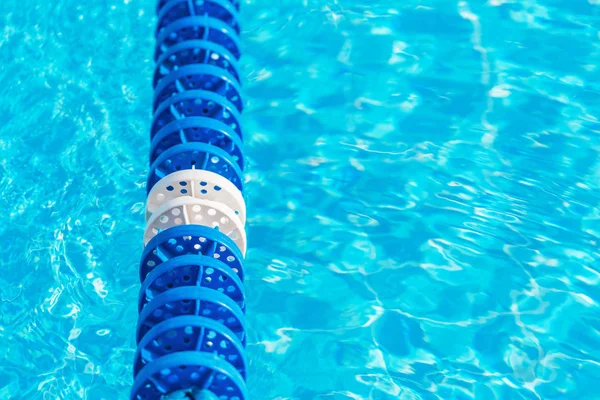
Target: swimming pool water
[422,189]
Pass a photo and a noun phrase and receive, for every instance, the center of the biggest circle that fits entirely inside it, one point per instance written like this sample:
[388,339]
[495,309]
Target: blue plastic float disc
[192,270]
[197,28]
[199,77]
[195,156]
[162,3]
[198,129]
[186,370]
[190,333]
[190,240]
[191,300]
[195,52]
[220,9]
[196,103]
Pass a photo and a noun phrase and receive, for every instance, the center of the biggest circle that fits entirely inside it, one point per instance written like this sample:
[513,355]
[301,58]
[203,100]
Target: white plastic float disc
[192,211]
[196,183]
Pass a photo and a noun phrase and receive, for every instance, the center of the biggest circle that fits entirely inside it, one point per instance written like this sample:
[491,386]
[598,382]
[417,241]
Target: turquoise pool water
[422,187]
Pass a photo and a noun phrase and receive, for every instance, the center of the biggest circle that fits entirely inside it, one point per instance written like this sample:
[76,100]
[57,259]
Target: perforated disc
[197,28]
[199,76]
[185,370]
[200,184]
[193,211]
[190,240]
[194,156]
[190,333]
[192,270]
[219,9]
[196,103]
[195,52]
[198,129]
[162,3]
[191,300]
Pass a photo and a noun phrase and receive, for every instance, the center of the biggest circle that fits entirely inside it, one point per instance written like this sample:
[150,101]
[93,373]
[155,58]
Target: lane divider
[191,330]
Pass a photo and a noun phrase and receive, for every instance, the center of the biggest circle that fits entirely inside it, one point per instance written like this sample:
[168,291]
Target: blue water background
[422,184]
